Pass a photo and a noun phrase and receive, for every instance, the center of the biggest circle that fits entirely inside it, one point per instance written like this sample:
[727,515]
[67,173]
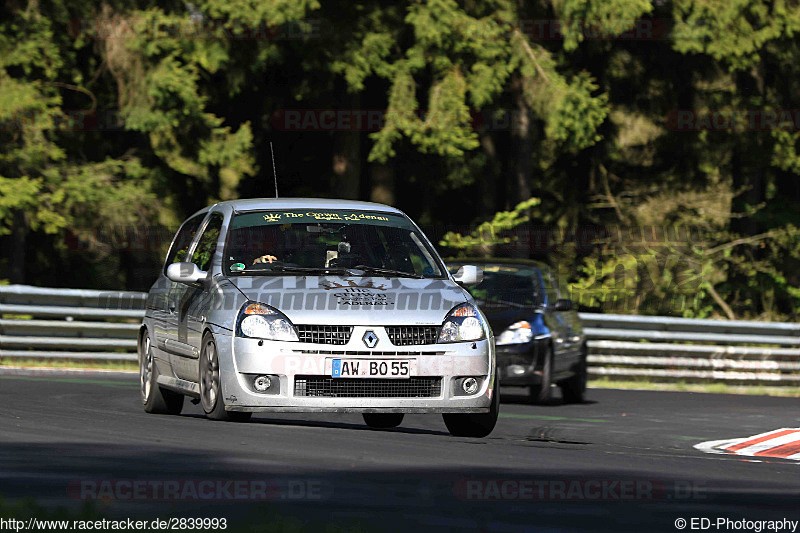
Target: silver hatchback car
[310,305]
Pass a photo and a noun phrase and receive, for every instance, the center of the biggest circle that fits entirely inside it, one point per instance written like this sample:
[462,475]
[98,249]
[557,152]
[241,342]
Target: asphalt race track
[623,461]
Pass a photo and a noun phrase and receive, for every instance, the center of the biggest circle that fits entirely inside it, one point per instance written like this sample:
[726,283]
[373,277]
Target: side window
[204,252]
[180,246]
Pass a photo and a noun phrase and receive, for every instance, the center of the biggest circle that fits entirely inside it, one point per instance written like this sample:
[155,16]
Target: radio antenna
[274,174]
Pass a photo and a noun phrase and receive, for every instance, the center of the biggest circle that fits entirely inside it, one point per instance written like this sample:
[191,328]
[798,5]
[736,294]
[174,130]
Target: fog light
[470,385]
[516,369]
[262,383]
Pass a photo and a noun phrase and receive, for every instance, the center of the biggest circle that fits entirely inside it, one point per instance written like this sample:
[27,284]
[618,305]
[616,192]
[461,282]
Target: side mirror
[187,273]
[468,275]
[563,305]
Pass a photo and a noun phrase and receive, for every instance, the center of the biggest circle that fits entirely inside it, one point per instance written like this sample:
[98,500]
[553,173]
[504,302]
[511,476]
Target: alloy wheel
[146,369]
[209,380]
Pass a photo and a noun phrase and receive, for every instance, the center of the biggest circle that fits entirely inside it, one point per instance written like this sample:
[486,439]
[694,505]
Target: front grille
[362,353]
[324,334]
[411,335]
[325,387]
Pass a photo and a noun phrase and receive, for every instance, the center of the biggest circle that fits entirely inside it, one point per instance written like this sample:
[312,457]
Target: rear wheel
[155,399]
[210,388]
[383,420]
[478,424]
[541,393]
[573,389]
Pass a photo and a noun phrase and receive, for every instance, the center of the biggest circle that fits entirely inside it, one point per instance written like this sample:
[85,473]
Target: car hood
[355,300]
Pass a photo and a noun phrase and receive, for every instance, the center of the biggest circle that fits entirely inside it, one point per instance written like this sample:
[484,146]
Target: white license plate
[373,368]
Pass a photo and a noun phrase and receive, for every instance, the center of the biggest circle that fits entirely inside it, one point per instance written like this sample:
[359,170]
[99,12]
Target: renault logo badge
[370,339]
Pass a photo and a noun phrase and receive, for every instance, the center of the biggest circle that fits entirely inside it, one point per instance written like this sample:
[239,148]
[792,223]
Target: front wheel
[541,393]
[155,399]
[478,424]
[383,420]
[573,389]
[210,388]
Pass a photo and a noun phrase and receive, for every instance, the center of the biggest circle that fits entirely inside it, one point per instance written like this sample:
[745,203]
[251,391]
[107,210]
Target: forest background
[647,149]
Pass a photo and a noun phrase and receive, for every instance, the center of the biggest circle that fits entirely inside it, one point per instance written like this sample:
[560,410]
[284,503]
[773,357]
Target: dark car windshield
[506,286]
[307,241]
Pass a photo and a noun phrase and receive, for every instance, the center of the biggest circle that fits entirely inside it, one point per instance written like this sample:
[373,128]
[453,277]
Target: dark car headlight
[261,321]
[517,333]
[463,323]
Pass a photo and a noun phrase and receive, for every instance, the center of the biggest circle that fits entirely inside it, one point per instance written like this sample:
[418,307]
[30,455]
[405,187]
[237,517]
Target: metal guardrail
[76,324]
[693,350]
[71,324]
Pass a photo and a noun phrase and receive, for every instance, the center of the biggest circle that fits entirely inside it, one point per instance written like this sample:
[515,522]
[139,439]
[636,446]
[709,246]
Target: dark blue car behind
[538,335]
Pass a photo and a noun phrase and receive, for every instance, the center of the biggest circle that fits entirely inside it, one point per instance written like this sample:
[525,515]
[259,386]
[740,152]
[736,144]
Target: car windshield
[505,286]
[318,242]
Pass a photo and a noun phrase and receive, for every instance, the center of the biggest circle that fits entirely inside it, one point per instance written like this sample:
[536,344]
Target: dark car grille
[325,387]
[411,335]
[325,334]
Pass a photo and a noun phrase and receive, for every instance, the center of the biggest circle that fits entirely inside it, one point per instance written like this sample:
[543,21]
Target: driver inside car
[311,251]
[252,242]
[265,259]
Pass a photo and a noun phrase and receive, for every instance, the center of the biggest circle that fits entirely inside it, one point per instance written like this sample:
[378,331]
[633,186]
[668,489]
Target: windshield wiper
[313,270]
[387,272]
[301,270]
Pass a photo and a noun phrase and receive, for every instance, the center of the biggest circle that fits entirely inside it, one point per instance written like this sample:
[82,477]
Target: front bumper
[519,364]
[292,362]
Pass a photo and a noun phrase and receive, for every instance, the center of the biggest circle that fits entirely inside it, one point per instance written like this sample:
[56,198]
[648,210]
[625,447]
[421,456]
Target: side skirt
[180,385]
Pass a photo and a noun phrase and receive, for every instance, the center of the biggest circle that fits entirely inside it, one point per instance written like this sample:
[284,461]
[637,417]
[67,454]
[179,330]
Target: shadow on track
[246,492]
[519,396]
[257,419]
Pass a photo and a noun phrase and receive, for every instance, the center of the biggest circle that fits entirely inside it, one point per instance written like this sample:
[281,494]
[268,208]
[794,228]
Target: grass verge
[70,364]
[713,388]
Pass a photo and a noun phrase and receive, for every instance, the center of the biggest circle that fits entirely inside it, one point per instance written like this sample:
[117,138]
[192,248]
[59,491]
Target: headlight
[263,322]
[463,323]
[517,333]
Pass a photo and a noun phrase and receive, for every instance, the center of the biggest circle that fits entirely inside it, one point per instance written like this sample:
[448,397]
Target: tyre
[541,393]
[383,420]
[155,399]
[573,389]
[478,424]
[210,388]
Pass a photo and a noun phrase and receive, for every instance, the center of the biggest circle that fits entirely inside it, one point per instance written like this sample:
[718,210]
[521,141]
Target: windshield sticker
[237,267]
[325,217]
[322,216]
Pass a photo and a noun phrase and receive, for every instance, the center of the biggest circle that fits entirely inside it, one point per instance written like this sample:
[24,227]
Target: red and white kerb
[783,443]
